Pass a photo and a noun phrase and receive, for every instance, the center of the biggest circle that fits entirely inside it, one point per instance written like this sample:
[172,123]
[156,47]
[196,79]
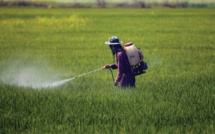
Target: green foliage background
[176,95]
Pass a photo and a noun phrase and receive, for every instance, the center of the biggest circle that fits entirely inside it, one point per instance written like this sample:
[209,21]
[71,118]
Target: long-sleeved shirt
[123,66]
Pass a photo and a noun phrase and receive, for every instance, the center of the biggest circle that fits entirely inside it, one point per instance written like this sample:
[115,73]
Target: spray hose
[111,73]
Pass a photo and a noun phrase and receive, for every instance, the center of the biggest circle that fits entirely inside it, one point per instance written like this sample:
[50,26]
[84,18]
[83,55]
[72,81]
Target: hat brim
[109,43]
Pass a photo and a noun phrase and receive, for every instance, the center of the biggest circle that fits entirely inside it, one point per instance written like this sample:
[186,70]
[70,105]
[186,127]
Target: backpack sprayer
[135,58]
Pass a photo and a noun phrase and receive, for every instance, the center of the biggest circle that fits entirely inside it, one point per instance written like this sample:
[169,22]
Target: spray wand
[87,73]
[58,83]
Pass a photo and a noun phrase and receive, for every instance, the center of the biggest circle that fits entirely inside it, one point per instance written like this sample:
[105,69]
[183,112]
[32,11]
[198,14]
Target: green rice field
[175,95]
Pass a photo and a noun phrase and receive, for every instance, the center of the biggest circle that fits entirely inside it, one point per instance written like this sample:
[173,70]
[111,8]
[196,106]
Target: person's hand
[107,66]
[110,66]
[115,83]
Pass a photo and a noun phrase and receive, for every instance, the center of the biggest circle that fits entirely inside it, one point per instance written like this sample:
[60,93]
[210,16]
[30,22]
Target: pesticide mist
[34,76]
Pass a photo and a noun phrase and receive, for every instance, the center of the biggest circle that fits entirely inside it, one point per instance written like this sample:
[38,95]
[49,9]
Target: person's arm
[112,66]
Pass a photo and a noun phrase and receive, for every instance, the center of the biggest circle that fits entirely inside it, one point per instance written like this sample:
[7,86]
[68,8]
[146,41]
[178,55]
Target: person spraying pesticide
[129,62]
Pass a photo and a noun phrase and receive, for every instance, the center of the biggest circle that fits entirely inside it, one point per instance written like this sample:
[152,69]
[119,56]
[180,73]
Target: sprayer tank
[132,53]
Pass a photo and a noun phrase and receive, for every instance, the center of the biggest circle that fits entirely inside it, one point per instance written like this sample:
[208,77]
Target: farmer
[125,76]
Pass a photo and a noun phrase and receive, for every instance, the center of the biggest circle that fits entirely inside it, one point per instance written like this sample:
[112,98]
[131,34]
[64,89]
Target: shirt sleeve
[114,66]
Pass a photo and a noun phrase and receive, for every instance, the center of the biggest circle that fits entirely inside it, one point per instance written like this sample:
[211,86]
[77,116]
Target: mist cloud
[28,75]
